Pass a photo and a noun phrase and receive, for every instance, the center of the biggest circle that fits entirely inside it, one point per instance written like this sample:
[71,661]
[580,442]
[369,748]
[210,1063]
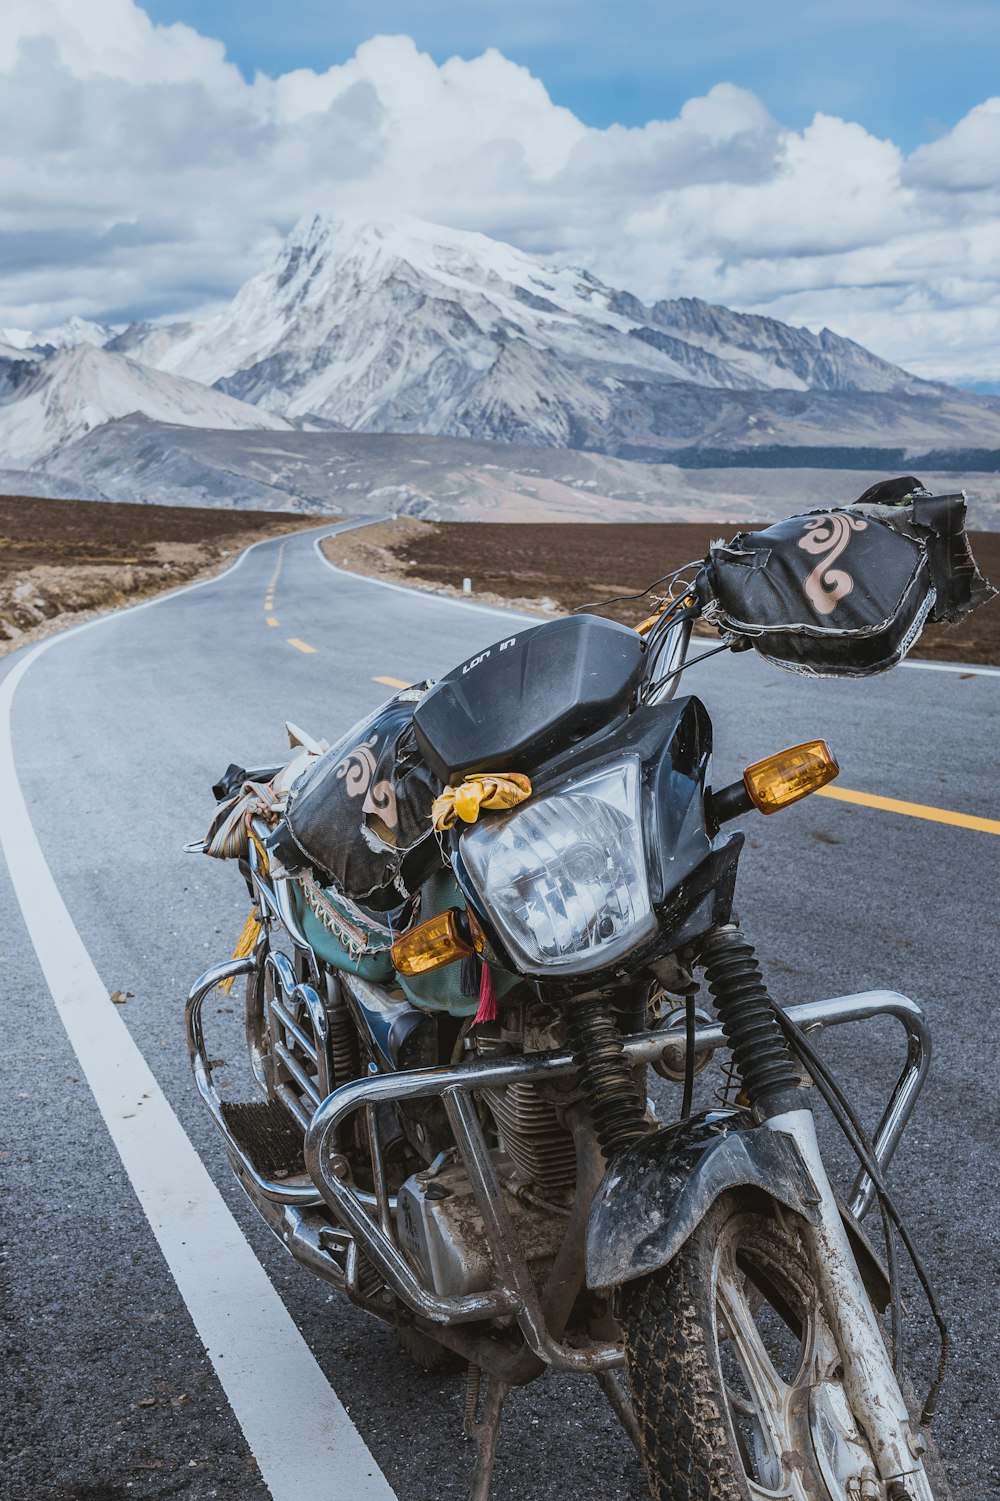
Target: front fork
[869,1379]
[770,1077]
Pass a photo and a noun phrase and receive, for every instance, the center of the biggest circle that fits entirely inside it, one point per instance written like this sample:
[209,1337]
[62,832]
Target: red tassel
[487,1000]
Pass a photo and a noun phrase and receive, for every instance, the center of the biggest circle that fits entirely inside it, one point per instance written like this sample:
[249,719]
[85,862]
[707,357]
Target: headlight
[563,877]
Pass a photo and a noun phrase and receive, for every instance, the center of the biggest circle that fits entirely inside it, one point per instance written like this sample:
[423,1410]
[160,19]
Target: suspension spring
[761,1055]
[606,1076]
[343,1037]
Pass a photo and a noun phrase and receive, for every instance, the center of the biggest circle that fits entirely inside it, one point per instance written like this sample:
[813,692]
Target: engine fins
[531,1135]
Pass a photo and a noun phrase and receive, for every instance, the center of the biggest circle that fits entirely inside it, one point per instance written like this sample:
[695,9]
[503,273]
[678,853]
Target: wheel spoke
[820,1356]
[740,1404]
[769,1392]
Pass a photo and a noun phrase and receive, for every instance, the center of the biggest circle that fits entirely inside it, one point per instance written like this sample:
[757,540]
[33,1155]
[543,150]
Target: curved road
[119,1268]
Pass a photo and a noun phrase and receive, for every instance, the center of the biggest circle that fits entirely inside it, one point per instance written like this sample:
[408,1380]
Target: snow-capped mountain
[74,331]
[777,355]
[148,343]
[416,328]
[47,403]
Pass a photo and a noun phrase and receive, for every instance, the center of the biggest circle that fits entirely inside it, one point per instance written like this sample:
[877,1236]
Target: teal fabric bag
[373,962]
[345,939]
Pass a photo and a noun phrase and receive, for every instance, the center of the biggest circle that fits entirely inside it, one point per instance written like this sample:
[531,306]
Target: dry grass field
[71,558]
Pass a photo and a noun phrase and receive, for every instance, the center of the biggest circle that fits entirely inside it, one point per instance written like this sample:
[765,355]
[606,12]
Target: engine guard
[659,1190]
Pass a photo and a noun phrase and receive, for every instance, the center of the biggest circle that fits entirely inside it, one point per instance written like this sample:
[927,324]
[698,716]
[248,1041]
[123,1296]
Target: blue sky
[832,165]
[905,69]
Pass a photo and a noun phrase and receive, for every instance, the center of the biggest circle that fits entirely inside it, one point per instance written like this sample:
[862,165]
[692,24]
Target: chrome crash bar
[364,1222]
[202,1065]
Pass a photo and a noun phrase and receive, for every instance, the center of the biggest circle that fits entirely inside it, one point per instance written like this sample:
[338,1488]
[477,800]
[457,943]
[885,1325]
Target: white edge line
[32,652]
[972,668]
[266,1369]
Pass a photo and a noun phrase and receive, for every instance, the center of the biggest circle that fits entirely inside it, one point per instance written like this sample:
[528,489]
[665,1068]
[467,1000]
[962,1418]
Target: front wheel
[736,1379]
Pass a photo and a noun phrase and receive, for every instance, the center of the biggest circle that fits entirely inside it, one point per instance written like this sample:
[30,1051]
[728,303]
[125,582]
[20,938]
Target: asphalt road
[118,731]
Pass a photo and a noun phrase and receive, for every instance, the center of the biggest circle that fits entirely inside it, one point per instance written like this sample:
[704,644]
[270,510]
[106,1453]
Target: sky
[907,69]
[829,165]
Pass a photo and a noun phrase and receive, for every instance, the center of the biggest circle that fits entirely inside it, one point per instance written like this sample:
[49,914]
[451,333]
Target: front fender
[660,1188]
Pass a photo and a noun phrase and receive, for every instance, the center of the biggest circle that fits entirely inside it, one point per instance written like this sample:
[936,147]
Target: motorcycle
[477,927]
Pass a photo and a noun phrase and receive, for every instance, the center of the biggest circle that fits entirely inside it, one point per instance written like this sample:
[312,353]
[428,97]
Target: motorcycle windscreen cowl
[511,706]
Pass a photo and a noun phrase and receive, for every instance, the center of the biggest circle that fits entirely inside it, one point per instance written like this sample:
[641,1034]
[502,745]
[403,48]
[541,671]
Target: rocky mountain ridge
[473,479]
[47,404]
[412,328]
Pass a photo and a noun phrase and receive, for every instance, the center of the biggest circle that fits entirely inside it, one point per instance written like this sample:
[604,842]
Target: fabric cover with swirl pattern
[845,592]
[360,816]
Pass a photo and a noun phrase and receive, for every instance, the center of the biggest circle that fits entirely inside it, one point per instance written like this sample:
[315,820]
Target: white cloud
[141,174]
[965,160]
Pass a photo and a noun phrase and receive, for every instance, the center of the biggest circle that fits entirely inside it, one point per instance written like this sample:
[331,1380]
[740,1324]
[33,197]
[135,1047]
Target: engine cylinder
[531,1135]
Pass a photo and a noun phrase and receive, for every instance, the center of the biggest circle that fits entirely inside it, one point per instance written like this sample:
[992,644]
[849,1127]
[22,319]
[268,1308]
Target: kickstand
[621,1405]
[483,1429]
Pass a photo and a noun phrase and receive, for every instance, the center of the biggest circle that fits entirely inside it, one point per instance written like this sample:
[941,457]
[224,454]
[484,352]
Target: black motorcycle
[480,920]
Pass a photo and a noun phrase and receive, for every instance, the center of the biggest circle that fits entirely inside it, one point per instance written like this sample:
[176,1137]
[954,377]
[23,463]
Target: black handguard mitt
[846,592]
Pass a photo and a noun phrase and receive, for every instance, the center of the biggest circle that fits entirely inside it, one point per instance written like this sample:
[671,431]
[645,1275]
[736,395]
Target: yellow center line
[273,584]
[913,810]
[272,620]
[300,645]
[277,567]
[393,682]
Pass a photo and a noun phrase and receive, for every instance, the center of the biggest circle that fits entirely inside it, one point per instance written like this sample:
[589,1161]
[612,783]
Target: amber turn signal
[790,774]
[430,945]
